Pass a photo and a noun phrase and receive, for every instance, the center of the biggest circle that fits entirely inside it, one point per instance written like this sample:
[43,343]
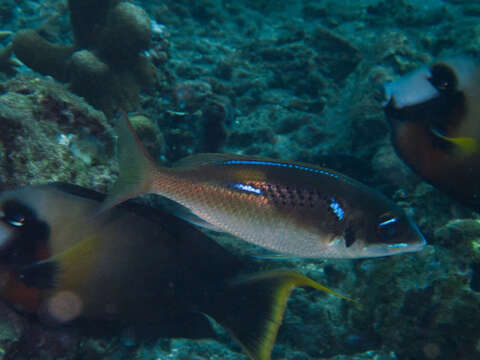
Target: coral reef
[294,80]
[8,64]
[106,64]
[151,136]
[41,123]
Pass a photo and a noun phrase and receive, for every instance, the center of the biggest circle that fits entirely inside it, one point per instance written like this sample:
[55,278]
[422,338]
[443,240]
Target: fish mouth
[379,250]
[422,242]
[417,245]
[393,249]
[403,247]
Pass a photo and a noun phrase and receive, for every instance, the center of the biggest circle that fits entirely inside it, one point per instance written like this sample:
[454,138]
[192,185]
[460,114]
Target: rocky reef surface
[291,80]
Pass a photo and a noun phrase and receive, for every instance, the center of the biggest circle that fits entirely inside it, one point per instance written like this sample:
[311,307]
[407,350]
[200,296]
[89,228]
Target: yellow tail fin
[252,309]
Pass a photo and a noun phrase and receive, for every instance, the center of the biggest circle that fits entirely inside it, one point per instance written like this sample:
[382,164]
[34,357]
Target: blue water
[288,80]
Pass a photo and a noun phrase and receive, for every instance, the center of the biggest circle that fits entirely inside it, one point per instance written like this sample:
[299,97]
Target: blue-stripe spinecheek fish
[133,265]
[294,209]
[434,115]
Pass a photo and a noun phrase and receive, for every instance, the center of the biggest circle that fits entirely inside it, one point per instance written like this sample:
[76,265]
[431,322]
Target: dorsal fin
[229,159]
[207,159]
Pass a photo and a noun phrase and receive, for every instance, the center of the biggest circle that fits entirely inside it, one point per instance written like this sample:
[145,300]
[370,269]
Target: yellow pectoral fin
[463,145]
[66,270]
[74,264]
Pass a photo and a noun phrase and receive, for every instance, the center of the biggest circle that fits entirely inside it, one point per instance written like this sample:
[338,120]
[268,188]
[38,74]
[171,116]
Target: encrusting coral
[8,64]
[106,63]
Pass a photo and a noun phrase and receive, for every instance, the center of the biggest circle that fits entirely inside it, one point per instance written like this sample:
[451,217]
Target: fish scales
[247,199]
[291,208]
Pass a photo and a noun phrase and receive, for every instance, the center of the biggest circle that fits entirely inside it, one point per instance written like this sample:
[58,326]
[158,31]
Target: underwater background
[292,80]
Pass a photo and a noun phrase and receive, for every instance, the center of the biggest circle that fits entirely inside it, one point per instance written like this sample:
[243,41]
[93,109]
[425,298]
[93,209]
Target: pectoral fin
[67,269]
[186,214]
[463,145]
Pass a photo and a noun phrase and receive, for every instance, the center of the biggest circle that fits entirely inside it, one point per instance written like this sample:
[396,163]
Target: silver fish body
[291,208]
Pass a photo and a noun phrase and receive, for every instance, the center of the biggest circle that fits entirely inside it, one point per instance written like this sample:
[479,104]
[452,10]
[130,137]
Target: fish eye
[17,220]
[443,78]
[387,227]
[14,214]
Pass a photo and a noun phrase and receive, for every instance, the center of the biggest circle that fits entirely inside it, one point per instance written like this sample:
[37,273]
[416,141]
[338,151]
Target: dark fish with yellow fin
[132,264]
[290,208]
[434,114]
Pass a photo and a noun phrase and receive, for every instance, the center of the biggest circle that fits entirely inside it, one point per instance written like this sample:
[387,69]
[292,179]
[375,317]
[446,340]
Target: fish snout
[395,234]
[379,250]
[412,241]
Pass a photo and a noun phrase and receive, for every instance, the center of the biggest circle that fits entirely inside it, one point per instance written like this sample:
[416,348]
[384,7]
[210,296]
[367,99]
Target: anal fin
[185,213]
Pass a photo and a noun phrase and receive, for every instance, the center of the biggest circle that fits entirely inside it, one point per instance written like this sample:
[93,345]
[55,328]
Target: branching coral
[106,64]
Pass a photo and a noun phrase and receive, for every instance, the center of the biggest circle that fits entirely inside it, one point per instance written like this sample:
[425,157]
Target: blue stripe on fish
[247,188]
[337,209]
[400,245]
[270,163]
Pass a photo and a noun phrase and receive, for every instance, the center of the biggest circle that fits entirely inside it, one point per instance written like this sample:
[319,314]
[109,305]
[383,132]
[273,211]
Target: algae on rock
[36,117]
[106,64]
[8,65]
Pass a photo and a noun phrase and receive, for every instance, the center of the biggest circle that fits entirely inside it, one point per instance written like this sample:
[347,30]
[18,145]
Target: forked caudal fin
[252,309]
[136,166]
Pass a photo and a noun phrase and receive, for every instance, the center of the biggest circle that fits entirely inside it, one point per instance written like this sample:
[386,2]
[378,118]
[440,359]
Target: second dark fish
[135,265]
[434,114]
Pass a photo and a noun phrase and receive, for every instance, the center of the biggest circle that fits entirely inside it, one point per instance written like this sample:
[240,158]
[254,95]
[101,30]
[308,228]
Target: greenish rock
[472,10]
[127,32]
[85,15]
[44,129]
[336,56]
[368,355]
[7,332]
[4,34]
[106,64]
[150,135]
[391,168]
[7,11]
[463,235]
[41,55]
[8,65]
[297,94]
